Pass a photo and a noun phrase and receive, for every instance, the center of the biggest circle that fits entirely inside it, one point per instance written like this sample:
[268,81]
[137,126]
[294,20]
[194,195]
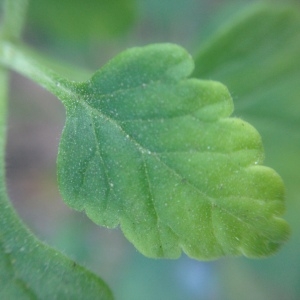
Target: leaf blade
[159,162]
[31,269]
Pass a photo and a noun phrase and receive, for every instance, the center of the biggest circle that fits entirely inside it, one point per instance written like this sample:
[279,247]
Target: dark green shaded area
[31,270]
[78,20]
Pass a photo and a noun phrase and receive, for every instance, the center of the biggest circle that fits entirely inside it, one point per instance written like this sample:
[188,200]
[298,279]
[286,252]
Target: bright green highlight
[148,148]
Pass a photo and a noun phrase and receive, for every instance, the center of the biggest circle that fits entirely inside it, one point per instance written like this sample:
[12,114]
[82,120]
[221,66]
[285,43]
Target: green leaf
[257,55]
[72,19]
[30,269]
[156,152]
[262,71]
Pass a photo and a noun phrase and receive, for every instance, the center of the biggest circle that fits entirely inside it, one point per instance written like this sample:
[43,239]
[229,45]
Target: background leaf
[72,19]
[258,58]
[146,147]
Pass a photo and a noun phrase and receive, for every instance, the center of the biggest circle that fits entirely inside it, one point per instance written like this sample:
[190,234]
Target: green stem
[14,18]
[8,217]
[3,97]
[22,60]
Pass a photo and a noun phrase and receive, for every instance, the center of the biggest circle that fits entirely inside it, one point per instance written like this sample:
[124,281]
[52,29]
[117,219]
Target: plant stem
[22,60]
[14,14]
[14,18]
[3,97]
[8,217]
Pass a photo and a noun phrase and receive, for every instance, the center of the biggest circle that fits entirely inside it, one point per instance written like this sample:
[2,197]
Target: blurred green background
[85,37]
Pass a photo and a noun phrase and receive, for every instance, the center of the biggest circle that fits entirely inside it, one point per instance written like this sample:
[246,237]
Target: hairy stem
[3,97]
[22,60]
[8,217]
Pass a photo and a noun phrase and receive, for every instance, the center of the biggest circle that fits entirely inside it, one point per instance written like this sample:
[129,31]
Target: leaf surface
[148,148]
[30,269]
